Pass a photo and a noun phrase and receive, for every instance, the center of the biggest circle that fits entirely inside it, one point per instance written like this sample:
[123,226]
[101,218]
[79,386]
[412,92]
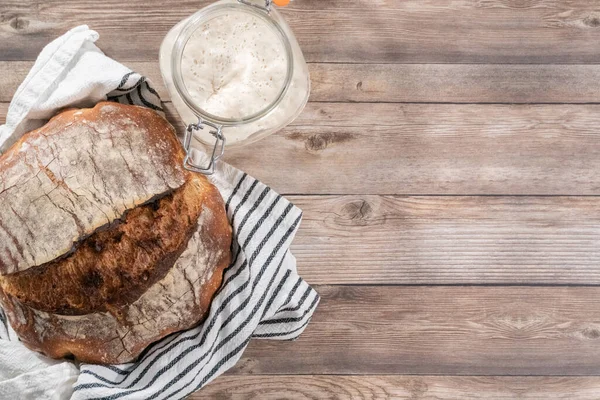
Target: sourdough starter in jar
[234,66]
[238,67]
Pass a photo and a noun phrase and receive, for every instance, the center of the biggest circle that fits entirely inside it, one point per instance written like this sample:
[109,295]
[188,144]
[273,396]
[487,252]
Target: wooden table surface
[448,166]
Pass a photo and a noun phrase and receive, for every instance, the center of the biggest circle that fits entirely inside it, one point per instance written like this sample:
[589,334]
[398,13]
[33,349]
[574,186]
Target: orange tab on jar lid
[281,3]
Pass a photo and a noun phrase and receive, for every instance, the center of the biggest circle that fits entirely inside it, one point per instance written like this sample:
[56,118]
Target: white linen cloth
[261,297]
[25,374]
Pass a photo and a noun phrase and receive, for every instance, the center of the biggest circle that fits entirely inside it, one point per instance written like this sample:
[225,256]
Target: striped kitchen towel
[262,295]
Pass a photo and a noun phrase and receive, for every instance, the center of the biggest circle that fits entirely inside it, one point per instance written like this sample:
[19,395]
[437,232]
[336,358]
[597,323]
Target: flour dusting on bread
[106,243]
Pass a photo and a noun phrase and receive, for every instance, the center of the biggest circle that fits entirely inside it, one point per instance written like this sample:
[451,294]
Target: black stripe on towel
[202,368]
[239,289]
[213,350]
[292,292]
[210,351]
[233,193]
[125,79]
[129,99]
[285,333]
[290,319]
[274,295]
[146,102]
[157,348]
[139,81]
[151,90]
[277,334]
[300,302]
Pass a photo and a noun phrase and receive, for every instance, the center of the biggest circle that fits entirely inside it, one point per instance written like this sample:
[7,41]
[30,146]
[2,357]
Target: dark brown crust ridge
[113,267]
[103,338]
[151,269]
[82,170]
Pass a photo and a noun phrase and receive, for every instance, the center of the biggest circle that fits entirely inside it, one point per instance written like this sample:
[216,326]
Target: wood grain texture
[340,387]
[441,330]
[448,240]
[455,83]
[408,83]
[394,31]
[433,149]
[384,188]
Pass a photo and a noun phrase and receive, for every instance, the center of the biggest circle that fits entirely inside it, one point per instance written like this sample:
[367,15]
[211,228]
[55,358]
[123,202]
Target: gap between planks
[406,83]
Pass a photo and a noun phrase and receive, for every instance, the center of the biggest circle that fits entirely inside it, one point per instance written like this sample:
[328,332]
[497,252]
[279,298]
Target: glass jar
[236,68]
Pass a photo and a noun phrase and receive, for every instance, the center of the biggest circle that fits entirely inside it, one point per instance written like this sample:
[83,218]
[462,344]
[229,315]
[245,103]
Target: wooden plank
[457,83]
[433,149]
[394,31]
[346,148]
[448,240]
[440,330]
[369,387]
[412,83]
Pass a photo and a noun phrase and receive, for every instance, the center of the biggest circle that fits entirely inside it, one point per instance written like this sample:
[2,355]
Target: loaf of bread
[106,243]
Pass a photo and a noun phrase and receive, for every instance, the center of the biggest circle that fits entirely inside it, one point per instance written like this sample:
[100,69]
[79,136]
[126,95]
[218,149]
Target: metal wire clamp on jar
[235,130]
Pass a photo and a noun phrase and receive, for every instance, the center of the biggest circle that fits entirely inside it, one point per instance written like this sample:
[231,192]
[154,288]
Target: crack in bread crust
[82,170]
[136,257]
[92,338]
[114,266]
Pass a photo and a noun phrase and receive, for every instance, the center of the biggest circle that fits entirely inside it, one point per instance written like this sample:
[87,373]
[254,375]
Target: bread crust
[82,170]
[148,239]
[105,300]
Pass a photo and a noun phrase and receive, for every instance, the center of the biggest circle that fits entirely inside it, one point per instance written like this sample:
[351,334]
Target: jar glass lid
[232,63]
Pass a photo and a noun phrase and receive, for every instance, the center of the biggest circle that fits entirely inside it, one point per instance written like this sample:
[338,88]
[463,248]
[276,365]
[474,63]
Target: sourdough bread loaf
[106,243]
